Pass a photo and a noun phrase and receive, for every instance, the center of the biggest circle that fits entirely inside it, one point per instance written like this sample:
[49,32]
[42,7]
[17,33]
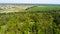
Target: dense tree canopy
[30,23]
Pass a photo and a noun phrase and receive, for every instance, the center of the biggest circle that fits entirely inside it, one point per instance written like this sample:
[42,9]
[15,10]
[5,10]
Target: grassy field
[28,8]
[44,8]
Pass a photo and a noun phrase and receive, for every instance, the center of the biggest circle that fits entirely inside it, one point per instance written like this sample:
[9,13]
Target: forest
[31,22]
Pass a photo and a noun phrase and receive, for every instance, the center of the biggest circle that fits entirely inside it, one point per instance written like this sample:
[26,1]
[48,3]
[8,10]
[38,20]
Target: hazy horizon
[31,1]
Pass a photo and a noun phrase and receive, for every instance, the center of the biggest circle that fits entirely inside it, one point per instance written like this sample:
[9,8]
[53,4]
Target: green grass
[45,8]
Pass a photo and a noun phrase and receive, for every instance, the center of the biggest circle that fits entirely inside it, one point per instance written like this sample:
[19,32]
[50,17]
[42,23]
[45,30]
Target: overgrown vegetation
[38,22]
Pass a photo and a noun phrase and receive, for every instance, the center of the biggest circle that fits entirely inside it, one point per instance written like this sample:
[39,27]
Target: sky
[32,1]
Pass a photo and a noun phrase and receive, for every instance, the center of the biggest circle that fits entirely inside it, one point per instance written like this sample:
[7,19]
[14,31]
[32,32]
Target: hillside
[29,19]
